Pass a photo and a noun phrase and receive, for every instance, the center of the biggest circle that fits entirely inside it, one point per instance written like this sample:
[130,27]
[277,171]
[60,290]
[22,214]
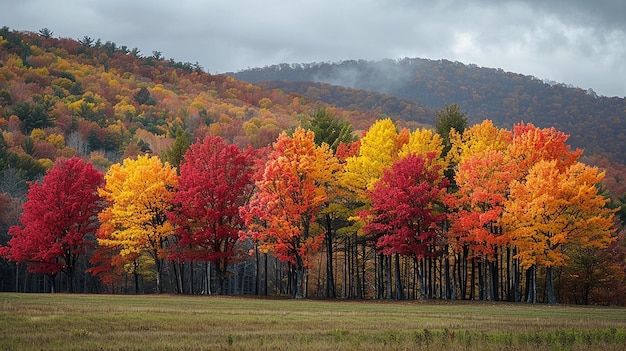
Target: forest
[484,93]
[125,173]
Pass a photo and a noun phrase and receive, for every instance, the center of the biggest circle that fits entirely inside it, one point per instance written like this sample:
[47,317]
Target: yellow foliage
[139,193]
[14,61]
[62,64]
[38,134]
[43,71]
[423,142]
[63,83]
[124,108]
[477,139]
[57,140]
[379,149]
[265,103]
[46,163]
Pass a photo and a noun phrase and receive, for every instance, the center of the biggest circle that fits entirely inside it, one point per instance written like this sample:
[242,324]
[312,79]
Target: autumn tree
[290,194]
[139,193]
[59,215]
[482,181]
[554,211]
[378,150]
[530,145]
[216,180]
[478,139]
[405,215]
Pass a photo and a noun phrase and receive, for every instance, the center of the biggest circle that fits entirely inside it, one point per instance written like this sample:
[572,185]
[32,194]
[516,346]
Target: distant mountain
[595,123]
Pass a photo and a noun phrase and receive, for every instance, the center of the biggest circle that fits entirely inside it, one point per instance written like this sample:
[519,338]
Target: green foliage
[5,98]
[175,154]
[447,119]
[142,96]
[329,129]
[46,33]
[32,116]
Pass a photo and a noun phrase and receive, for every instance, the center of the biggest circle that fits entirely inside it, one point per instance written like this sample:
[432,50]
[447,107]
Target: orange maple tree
[291,192]
[552,210]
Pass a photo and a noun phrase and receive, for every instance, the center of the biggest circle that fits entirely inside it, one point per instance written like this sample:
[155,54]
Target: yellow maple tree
[139,194]
[478,139]
[423,142]
[379,149]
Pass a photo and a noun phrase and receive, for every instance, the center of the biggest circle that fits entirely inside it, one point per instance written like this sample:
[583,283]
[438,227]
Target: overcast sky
[577,42]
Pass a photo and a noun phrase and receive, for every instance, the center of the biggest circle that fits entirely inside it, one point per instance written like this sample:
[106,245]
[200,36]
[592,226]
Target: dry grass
[105,322]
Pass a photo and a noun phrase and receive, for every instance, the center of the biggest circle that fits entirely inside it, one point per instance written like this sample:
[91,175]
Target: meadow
[165,322]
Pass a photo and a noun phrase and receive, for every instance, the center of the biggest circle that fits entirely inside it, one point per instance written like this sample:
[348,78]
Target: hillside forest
[130,173]
[412,84]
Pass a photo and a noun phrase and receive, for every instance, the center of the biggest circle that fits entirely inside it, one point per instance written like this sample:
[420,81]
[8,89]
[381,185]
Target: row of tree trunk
[348,267]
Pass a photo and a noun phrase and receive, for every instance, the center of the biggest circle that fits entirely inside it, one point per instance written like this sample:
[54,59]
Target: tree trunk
[473,279]
[459,262]
[299,278]
[136,276]
[220,270]
[70,282]
[422,277]
[550,283]
[379,276]
[330,275]
[531,284]
[399,287]
[207,290]
[191,277]
[363,282]
[346,252]
[53,282]
[448,281]
[258,269]
[265,274]
[493,268]
[388,278]
[509,276]
[481,280]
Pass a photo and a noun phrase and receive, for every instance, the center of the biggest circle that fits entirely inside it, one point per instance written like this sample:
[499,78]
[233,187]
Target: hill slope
[62,97]
[595,123]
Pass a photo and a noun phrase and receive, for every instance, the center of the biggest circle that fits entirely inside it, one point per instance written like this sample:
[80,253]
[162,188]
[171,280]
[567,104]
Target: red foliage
[216,179]
[403,215]
[57,216]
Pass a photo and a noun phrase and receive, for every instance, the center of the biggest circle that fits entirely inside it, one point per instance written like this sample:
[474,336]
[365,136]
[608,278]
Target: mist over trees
[484,93]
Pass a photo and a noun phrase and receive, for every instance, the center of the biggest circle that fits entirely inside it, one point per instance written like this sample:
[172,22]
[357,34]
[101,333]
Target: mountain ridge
[484,93]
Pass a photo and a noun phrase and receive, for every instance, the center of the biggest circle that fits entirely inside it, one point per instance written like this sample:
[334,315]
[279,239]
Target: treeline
[114,108]
[484,93]
[104,102]
[486,214]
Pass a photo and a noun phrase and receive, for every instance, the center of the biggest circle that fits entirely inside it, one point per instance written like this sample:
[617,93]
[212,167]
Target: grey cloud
[571,41]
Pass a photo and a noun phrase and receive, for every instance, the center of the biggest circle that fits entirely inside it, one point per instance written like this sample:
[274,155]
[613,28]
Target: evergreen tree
[447,119]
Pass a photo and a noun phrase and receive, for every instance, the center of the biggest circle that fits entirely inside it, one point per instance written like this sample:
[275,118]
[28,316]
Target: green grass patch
[105,322]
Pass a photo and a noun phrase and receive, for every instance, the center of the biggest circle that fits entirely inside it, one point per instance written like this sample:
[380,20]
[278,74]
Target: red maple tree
[216,179]
[404,218]
[59,214]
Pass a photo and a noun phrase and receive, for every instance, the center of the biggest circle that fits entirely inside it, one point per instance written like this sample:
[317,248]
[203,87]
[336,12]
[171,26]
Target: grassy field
[105,322]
